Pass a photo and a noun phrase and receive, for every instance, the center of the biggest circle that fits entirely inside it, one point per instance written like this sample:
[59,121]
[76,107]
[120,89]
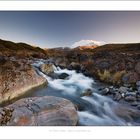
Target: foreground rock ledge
[39,111]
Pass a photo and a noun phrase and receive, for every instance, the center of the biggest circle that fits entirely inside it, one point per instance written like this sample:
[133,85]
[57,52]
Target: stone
[138,94]
[53,75]
[17,78]
[63,76]
[123,89]
[104,91]
[112,90]
[130,94]
[130,78]
[87,92]
[138,83]
[117,96]
[130,98]
[138,107]
[39,111]
[47,68]
[135,103]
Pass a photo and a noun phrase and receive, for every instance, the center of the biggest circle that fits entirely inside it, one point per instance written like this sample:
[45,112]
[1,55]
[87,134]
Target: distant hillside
[131,47]
[8,48]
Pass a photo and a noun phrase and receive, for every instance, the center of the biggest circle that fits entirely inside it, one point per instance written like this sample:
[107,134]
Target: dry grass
[104,76]
[114,78]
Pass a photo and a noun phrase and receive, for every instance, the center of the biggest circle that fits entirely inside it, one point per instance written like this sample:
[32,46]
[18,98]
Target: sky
[48,29]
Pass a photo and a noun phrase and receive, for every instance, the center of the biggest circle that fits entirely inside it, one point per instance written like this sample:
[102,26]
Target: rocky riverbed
[69,87]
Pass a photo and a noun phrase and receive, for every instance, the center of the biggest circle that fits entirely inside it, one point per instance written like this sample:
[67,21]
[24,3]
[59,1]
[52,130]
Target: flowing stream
[93,110]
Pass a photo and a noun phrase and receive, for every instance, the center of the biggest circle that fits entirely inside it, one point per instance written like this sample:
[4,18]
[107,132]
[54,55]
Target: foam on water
[101,108]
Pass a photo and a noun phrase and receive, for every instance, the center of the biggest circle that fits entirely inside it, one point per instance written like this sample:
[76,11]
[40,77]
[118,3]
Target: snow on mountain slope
[87,43]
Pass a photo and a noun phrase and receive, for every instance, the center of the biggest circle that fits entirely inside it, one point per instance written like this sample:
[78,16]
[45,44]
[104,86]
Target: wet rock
[104,91]
[47,68]
[123,89]
[138,107]
[138,95]
[112,90]
[138,83]
[138,89]
[41,111]
[87,92]
[130,94]
[117,96]
[135,103]
[53,75]
[63,76]
[130,98]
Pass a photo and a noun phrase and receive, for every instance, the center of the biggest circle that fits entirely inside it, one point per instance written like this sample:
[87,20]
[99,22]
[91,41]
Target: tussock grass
[114,78]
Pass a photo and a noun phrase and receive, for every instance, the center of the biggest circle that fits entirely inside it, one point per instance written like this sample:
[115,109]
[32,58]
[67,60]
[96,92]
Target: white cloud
[87,43]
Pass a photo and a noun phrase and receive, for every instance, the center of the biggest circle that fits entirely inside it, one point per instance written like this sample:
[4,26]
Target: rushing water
[92,110]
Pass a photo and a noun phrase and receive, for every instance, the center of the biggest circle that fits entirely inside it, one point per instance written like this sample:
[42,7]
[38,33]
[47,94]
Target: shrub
[116,77]
[105,76]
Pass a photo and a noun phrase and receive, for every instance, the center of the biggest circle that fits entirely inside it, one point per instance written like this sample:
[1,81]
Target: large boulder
[16,78]
[41,111]
[47,68]
[130,78]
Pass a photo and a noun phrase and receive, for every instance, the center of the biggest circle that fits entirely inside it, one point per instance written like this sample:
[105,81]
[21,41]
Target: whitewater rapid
[94,109]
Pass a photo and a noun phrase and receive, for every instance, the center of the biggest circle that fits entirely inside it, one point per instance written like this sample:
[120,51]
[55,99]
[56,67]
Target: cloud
[87,43]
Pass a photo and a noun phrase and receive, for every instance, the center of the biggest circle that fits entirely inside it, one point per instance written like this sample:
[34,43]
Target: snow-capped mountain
[87,43]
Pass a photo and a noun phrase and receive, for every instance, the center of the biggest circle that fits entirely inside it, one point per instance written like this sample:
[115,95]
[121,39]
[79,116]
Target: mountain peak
[83,43]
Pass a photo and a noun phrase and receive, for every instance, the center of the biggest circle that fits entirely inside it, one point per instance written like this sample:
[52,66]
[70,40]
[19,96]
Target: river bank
[97,86]
[93,108]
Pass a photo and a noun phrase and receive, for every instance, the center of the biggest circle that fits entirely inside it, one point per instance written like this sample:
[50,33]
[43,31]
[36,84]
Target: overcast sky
[62,29]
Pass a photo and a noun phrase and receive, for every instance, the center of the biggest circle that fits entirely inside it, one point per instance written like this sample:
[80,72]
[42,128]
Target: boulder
[123,89]
[130,94]
[87,92]
[130,78]
[130,98]
[47,68]
[117,96]
[104,91]
[39,111]
[16,78]
[63,76]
